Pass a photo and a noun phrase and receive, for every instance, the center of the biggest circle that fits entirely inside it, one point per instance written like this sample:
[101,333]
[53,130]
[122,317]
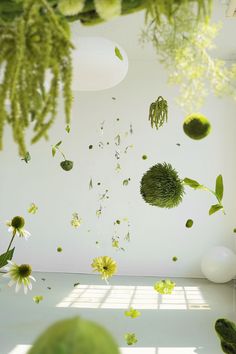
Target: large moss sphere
[161,186]
[75,336]
[226,331]
[196,126]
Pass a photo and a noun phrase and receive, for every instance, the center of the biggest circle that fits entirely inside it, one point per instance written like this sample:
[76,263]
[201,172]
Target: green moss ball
[196,126]
[75,336]
[189,223]
[162,187]
[67,165]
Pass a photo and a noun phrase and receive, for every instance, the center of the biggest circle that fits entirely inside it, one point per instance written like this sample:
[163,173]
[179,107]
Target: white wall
[156,234]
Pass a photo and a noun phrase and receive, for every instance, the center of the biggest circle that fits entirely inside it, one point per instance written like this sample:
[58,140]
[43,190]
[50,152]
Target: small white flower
[16,227]
[19,275]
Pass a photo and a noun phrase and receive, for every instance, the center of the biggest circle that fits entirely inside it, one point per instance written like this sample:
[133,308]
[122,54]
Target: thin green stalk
[13,236]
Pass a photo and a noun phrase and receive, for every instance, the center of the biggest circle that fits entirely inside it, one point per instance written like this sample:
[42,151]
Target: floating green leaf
[192,183]
[219,189]
[7,256]
[130,338]
[214,208]
[32,208]
[27,157]
[37,299]
[118,53]
[54,150]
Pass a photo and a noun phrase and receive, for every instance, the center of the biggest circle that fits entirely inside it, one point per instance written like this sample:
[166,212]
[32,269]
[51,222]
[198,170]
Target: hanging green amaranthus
[34,47]
[158,112]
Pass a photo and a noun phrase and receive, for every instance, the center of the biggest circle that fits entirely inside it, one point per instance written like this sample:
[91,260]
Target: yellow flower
[164,287]
[105,265]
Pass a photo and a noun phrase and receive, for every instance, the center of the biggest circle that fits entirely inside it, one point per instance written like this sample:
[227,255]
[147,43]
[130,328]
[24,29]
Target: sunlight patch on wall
[139,297]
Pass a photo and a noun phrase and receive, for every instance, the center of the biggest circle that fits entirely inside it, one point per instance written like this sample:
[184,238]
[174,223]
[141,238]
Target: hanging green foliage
[162,187]
[196,126]
[158,112]
[183,36]
[34,47]
[226,331]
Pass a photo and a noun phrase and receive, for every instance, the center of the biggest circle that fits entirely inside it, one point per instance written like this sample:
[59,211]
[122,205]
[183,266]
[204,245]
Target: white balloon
[219,264]
[96,65]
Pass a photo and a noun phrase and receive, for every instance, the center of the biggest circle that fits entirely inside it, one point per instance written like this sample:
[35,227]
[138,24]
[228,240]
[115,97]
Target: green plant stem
[13,236]
[61,153]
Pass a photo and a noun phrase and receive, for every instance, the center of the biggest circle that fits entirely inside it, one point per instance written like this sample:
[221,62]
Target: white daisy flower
[19,275]
[16,227]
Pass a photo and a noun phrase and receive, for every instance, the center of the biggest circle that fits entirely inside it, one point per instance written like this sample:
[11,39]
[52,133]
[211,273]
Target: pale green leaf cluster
[132,313]
[164,287]
[182,43]
[131,338]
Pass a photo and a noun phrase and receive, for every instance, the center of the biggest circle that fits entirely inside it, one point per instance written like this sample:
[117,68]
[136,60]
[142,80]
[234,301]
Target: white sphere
[96,65]
[219,264]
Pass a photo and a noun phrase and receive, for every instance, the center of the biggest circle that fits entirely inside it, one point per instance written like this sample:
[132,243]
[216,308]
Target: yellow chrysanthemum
[105,265]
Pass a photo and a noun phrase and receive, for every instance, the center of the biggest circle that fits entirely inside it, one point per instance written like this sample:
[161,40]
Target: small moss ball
[18,222]
[162,187]
[67,165]
[144,157]
[196,126]
[59,249]
[189,223]
[75,336]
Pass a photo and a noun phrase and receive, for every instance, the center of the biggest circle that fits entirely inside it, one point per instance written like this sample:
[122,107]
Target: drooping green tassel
[158,112]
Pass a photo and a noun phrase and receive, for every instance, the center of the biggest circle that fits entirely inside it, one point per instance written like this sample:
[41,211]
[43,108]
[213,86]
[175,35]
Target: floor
[181,323]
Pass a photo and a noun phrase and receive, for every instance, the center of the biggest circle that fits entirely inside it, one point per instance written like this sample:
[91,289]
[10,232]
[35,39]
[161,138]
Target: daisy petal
[31,277]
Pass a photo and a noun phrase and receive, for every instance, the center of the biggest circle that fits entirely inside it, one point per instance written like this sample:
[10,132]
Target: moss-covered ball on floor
[162,187]
[196,126]
[75,336]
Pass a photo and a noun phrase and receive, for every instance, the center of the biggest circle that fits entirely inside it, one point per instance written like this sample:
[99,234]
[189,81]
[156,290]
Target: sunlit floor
[181,323]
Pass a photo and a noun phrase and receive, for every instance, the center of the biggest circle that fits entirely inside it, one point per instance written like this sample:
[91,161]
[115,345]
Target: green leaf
[54,150]
[27,157]
[58,144]
[118,53]
[219,190]
[214,208]
[7,256]
[192,183]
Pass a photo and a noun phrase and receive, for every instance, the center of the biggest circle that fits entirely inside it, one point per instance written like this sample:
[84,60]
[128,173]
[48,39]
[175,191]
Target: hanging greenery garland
[35,41]
[33,46]
[158,112]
